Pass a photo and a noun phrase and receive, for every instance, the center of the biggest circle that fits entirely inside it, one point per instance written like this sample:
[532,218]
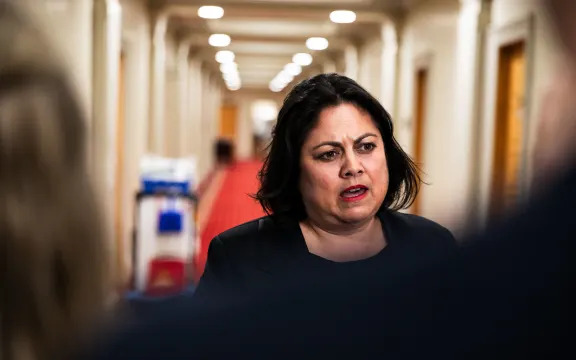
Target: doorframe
[521,30]
[423,62]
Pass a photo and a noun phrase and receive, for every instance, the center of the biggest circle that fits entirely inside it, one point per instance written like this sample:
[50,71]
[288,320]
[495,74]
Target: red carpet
[232,206]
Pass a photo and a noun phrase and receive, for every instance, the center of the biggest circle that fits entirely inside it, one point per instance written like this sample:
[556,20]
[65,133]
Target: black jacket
[507,295]
[263,251]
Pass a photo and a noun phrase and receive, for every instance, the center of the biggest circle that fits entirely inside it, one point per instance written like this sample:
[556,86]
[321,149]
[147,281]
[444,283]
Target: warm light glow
[274,88]
[293,69]
[219,40]
[302,59]
[225,56]
[317,43]
[228,67]
[231,77]
[343,16]
[210,12]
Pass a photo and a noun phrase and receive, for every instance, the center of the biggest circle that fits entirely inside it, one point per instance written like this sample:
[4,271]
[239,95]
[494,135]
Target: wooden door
[508,128]
[421,90]
[228,115]
[119,172]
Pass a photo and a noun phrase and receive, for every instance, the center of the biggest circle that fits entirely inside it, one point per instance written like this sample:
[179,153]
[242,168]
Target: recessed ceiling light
[317,43]
[228,67]
[293,69]
[225,56]
[231,76]
[210,12]
[343,16]
[302,59]
[219,40]
[285,77]
[275,87]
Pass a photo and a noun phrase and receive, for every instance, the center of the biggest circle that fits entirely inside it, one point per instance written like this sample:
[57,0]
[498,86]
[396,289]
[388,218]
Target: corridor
[162,82]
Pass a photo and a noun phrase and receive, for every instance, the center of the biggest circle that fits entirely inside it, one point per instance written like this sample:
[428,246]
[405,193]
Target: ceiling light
[285,77]
[225,56]
[219,40]
[317,43]
[210,12]
[234,88]
[228,67]
[293,69]
[274,87]
[231,77]
[343,16]
[302,59]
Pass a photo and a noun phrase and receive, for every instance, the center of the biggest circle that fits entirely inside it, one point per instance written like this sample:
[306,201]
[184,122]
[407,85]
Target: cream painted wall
[351,61]
[68,23]
[429,40]
[370,66]
[171,118]
[389,73]
[136,49]
[209,125]
[194,123]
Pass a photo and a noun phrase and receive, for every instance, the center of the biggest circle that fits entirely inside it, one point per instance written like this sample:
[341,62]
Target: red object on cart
[166,276]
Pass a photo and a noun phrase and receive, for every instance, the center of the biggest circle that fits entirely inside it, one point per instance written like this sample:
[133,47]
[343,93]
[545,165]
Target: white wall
[370,66]
[429,39]
[194,125]
[389,74]
[171,118]
[351,61]
[136,49]
[68,24]
[209,124]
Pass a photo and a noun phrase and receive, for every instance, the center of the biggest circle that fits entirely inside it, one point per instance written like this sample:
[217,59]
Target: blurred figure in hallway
[54,272]
[224,152]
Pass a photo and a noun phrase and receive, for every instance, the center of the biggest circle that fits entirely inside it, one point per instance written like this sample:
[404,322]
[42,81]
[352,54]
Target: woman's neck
[349,242]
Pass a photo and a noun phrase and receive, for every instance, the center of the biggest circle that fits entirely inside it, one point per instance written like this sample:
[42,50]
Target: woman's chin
[356,215]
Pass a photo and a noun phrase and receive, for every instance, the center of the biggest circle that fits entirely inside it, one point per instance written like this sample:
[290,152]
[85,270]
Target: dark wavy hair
[279,194]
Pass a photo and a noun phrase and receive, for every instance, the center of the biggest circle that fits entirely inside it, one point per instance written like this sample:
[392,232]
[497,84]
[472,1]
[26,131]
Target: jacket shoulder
[416,225]
[248,231]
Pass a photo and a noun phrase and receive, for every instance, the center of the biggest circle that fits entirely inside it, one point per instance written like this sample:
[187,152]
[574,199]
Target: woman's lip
[355,187]
[355,197]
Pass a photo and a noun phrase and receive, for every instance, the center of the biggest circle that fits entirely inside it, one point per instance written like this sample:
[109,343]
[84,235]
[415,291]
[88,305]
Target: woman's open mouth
[354,193]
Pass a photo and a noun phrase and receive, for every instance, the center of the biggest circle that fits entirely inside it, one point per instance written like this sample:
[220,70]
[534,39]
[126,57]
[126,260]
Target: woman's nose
[352,167]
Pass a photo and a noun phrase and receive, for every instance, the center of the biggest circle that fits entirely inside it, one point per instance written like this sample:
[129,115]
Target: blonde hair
[54,273]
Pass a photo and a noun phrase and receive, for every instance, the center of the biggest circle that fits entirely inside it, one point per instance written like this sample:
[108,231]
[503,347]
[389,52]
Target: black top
[253,254]
[509,294]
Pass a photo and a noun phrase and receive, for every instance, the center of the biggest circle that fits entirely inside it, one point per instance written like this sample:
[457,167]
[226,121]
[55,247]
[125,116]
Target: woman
[54,263]
[332,184]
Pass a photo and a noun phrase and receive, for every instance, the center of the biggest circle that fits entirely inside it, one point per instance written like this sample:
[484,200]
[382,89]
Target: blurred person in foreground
[53,269]
[508,294]
[332,184]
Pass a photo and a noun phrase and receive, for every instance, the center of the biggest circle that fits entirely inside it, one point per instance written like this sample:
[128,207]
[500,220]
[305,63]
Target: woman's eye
[367,147]
[328,155]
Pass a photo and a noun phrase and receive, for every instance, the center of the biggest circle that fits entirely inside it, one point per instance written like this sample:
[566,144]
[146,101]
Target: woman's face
[344,175]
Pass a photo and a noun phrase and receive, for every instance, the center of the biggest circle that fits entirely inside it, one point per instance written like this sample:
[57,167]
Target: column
[183,113]
[473,21]
[351,60]
[158,82]
[106,57]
